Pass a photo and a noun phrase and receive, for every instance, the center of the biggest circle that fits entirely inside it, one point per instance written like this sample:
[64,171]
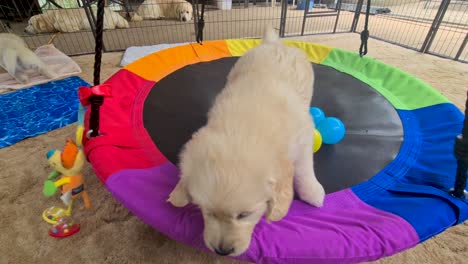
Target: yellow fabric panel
[239,47]
[316,53]
[156,66]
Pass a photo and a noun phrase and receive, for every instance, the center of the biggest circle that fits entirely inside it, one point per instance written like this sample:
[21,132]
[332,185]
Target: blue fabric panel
[436,164]
[39,109]
[415,185]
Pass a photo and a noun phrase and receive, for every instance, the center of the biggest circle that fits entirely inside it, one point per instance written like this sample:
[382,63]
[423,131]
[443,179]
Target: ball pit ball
[317,140]
[317,114]
[332,130]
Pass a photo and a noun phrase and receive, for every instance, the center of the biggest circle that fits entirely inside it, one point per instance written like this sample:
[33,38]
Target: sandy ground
[110,234]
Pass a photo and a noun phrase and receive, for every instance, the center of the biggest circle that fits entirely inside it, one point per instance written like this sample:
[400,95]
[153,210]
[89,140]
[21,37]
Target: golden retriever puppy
[156,9]
[41,23]
[256,146]
[71,20]
[17,59]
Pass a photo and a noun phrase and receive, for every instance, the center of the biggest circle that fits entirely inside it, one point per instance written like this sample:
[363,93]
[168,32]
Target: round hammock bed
[388,181]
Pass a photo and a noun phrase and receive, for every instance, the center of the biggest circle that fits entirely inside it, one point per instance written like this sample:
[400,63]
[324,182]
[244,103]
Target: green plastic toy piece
[53,175]
[49,188]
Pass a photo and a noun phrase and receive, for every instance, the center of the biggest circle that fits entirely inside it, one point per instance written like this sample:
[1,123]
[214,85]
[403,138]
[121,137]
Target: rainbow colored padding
[396,206]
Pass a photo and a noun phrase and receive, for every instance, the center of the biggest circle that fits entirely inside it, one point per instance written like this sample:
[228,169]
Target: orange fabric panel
[156,66]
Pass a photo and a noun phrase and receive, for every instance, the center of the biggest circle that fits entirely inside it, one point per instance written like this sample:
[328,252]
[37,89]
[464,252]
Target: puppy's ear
[38,26]
[42,24]
[282,192]
[177,10]
[179,197]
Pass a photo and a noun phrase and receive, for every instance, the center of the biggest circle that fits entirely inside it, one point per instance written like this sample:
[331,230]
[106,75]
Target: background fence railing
[438,27]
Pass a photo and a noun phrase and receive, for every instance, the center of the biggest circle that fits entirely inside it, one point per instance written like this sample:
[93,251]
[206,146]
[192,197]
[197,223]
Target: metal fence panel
[426,26]
[451,36]
[35,20]
[401,22]
[429,26]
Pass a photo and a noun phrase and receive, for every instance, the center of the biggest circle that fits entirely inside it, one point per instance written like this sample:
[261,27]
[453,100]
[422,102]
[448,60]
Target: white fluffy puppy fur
[17,59]
[255,149]
[71,20]
[156,9]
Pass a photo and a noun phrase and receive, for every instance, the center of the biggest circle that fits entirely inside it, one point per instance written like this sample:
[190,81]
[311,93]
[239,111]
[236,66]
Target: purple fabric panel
[345,230]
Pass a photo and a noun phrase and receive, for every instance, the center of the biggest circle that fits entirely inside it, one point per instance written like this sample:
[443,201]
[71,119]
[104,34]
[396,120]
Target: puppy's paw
[314,195]
[136,18]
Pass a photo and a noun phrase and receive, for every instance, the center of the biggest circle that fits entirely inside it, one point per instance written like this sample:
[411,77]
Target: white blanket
[58,62]
[134,53]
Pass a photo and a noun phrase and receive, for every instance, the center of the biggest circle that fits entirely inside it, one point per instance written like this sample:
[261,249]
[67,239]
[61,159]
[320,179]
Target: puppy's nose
[222,251]
[184,19]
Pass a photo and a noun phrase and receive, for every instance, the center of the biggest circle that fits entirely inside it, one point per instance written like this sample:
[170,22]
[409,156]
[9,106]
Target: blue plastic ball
[317,115]
[332,130]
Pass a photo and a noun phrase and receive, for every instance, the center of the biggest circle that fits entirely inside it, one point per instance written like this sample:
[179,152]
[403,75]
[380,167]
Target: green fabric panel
[404,91]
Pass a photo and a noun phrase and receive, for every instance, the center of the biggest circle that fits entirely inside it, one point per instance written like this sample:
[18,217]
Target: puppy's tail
[270,35]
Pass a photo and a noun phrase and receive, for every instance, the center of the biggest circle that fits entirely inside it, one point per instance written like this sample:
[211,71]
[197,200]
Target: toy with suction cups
[68,178]
[64,228]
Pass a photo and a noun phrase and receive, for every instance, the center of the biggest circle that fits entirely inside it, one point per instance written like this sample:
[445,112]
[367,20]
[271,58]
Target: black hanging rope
[201,24]
[365,32]
[97,100]
[461,153]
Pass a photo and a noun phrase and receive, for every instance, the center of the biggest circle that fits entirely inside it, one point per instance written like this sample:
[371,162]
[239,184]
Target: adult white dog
[156,9]
[256,145]
[18,60]
[71,20]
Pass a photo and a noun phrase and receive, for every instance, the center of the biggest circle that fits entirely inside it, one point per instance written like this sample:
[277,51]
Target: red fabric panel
[124,143]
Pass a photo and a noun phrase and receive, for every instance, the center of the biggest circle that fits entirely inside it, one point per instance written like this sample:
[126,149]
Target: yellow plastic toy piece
[79,135]
[317,140]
